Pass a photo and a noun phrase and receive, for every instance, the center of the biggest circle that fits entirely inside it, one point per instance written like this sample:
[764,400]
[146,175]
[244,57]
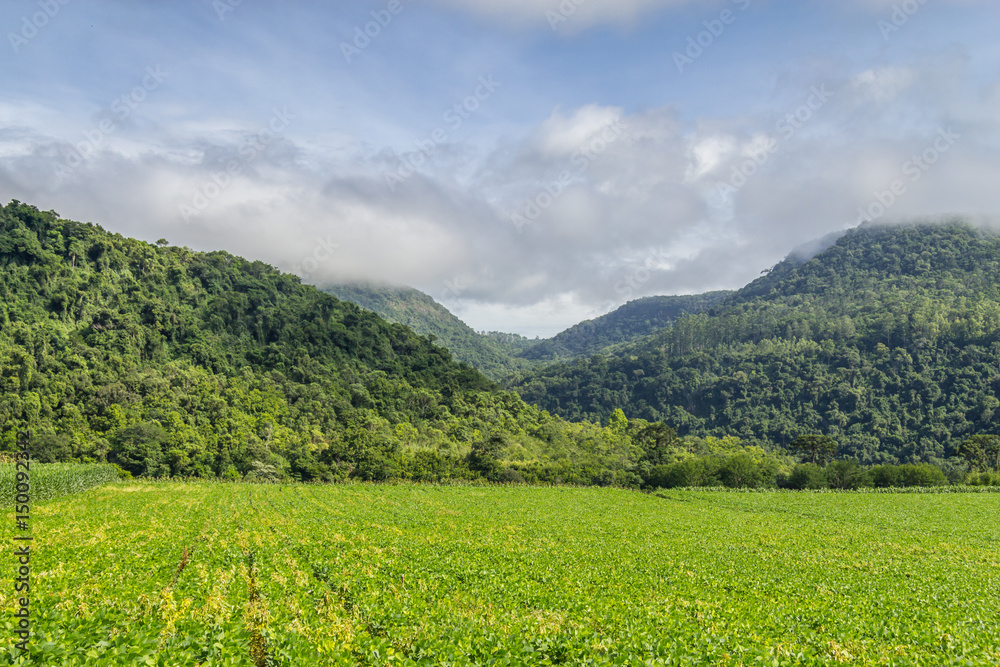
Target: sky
[530,163]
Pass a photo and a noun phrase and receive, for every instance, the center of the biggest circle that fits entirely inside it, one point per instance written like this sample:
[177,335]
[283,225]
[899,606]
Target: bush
[702,471]
[50,447]
[846,475]
[511,476]
[806,476]
[139,450]
[923,474]
[983,479]
[919,474]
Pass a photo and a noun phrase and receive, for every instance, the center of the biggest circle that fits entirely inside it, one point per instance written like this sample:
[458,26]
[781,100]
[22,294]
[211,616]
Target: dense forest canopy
[495,354]
[500,355]
[173,362]
[888,341]
[629,323]
[167,361]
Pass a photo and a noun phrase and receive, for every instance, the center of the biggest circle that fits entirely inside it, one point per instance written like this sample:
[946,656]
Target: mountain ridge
[889,341]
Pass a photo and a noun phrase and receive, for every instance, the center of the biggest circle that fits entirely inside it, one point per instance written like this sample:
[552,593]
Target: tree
[485,455]
[806,476]
[982,452]
[139,449]
[617,422]
[658,442]
[817,448]
[846,474]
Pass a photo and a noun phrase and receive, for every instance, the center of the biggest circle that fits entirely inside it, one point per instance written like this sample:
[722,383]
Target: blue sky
[582,167]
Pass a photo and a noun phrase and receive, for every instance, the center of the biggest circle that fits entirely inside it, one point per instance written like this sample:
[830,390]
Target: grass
[216,574]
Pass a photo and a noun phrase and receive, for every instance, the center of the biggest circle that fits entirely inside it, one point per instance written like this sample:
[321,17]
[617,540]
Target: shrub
[806,476]
[846,475]
[919,474]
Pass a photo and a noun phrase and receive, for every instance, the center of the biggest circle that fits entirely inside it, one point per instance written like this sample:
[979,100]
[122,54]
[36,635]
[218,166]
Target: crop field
[233,574]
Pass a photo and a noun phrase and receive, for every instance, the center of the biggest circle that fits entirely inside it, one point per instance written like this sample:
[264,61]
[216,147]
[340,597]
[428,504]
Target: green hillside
[889,341]
[167,361]
[500,355]
[492,354]
[626,324]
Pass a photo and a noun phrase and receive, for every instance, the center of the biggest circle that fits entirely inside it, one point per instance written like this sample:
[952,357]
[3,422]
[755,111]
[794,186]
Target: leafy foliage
[51,480]
[220,574]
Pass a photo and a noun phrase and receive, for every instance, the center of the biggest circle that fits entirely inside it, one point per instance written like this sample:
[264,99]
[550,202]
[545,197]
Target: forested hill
[500,355]
[492,354]
[889,341]
[173,362]
[630,322]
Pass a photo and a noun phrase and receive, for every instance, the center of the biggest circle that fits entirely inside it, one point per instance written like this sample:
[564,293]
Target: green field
[374,575]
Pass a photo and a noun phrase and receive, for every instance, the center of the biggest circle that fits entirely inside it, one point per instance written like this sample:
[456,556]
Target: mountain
[888,340]
[630,322]
[493,354]
[167,361]
[500,355]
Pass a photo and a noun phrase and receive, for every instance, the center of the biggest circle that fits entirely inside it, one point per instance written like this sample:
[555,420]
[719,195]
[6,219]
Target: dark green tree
[815,448]
[982,452]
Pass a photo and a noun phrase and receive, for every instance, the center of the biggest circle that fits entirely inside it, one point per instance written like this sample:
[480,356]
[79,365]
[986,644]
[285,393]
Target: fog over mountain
[529,168]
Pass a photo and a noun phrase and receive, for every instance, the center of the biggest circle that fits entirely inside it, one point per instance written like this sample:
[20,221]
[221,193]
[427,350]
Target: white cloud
[637,214]
[883,85]
[567,15]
